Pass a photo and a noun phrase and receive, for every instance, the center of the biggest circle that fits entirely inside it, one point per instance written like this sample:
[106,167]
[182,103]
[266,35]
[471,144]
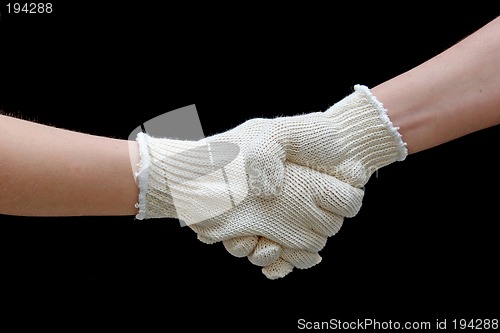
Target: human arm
[453,94]
[49,171]
[450,95]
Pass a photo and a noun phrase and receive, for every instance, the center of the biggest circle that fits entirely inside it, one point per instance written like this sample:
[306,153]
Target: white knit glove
[350,141]
[277,260]
[205,185]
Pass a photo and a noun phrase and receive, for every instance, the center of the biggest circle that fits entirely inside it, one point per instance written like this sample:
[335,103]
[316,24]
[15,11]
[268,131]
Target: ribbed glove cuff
[371,140]
[155,200]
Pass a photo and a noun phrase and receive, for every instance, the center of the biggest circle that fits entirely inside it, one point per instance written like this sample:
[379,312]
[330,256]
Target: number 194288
[30,8]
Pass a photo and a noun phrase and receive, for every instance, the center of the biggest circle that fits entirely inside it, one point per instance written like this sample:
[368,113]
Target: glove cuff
[371,139]
[191,181]
[395,138]
[155,200]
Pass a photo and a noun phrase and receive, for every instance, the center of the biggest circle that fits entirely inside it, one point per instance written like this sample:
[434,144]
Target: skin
[48,171]
[67,173]
[449,96]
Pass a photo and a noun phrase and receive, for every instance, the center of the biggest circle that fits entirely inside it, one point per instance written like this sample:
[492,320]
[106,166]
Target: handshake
[271,190]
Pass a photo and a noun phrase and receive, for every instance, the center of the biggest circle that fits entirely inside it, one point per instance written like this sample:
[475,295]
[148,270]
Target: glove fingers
[241,246]
[206,240]
[329,225]
[326,224]
[266,252]
[214,230]
[297,236]
[300,258]
[338,197]
[278,269]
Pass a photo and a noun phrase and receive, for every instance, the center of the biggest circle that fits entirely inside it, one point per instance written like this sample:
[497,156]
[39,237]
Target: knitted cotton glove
[277,261]
[205,185]
[350,140]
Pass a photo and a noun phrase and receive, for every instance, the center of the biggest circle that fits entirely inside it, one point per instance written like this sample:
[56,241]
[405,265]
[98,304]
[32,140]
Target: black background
[423,247]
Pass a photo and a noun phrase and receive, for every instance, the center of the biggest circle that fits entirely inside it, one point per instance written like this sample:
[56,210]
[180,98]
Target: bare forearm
[47,171]
[451,95]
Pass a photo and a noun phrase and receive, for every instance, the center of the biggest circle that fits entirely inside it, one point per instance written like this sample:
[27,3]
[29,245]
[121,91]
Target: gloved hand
[277,261]
[350,141]
[311,206]
[205,185]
